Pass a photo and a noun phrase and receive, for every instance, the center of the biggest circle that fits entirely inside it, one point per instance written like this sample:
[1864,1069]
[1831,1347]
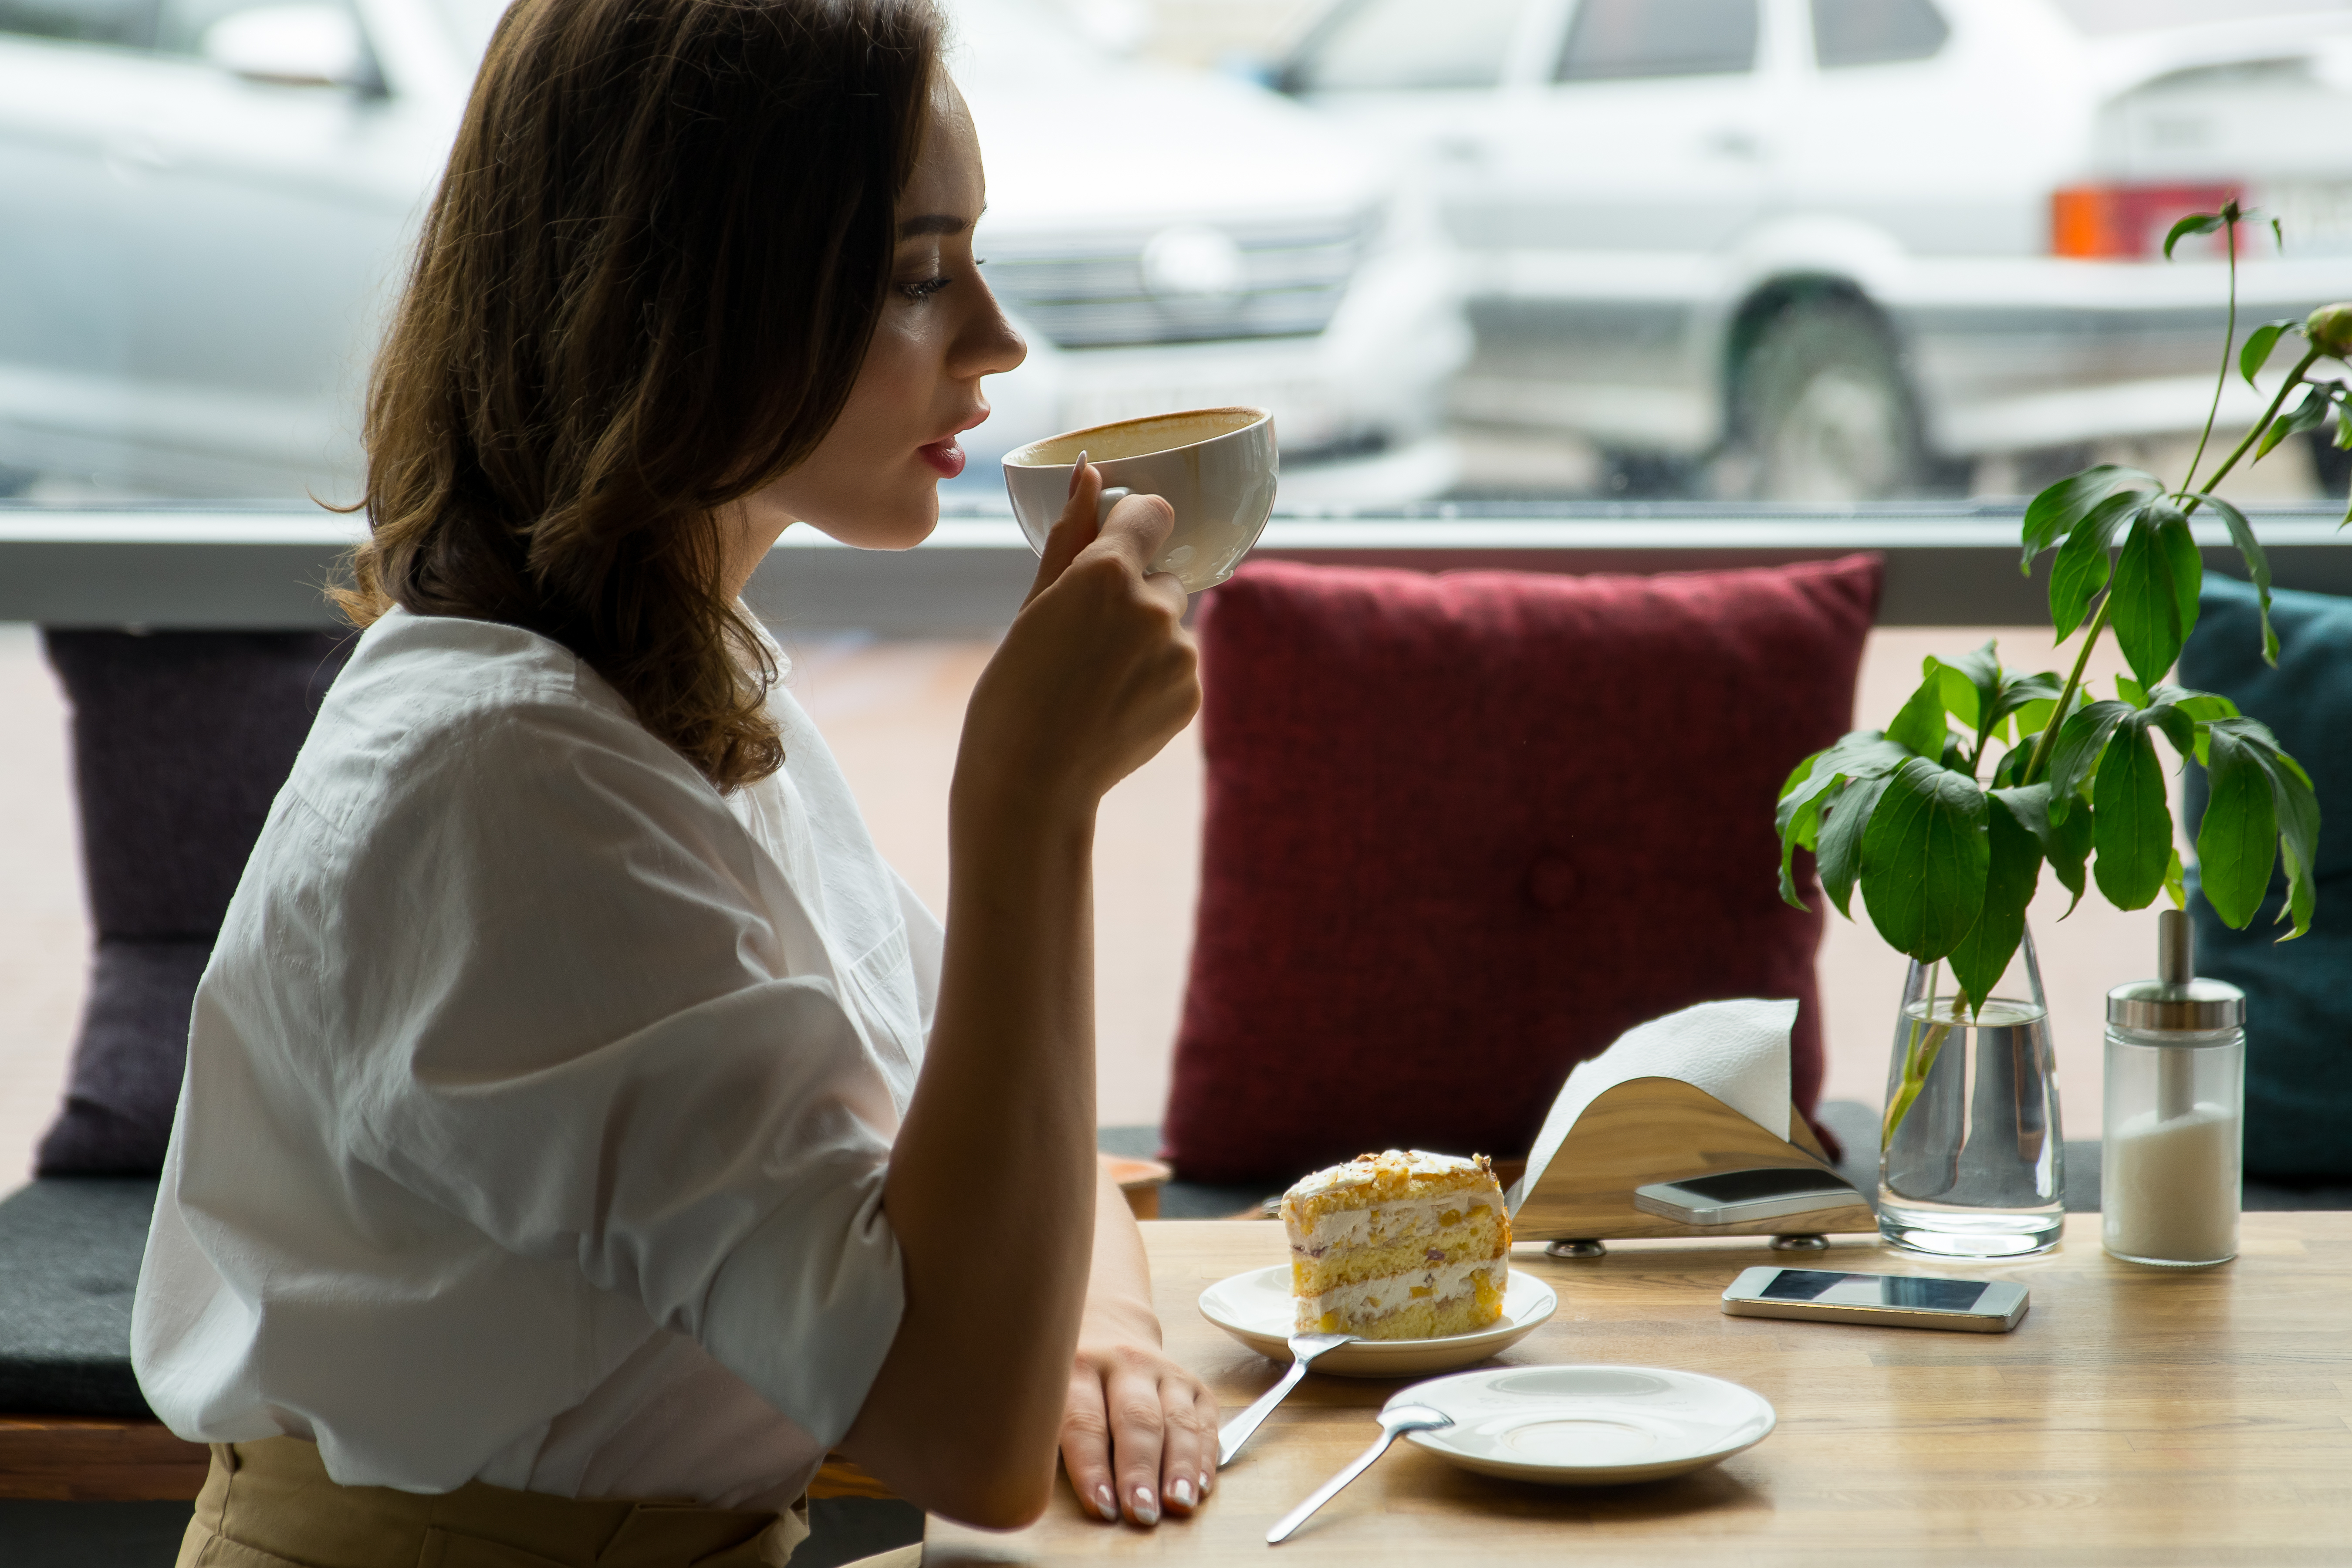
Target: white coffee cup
[1215,465]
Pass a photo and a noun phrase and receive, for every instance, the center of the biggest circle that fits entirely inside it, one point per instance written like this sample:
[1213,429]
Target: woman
[578,1110]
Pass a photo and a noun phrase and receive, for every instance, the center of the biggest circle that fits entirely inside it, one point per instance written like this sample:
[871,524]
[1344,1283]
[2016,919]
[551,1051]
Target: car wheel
[1820,410]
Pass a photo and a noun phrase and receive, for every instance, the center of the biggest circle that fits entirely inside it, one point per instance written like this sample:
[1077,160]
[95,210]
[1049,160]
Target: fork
[1304,1349]
[1395,1421]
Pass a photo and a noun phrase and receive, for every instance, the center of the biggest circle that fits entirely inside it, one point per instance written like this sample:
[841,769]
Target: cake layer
[1463,1297]
[1480,1239]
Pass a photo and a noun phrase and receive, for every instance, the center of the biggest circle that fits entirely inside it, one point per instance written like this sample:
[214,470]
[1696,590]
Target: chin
[897,522]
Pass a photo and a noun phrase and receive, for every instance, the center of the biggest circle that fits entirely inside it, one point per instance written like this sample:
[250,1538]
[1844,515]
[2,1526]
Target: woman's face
[873,480]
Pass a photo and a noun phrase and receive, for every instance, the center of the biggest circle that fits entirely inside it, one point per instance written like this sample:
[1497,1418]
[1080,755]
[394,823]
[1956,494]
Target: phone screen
[1874,1291]
[1749,1186]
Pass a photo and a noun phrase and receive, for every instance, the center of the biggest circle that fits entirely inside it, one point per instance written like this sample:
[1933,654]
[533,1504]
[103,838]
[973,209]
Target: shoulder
[434,707]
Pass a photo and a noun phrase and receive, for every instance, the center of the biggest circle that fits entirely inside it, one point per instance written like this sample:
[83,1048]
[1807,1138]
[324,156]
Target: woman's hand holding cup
[1097,672]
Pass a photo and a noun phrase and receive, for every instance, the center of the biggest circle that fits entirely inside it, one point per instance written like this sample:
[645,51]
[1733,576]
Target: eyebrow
[933,223]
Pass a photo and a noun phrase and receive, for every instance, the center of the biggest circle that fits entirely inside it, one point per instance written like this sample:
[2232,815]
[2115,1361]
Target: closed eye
[924,290]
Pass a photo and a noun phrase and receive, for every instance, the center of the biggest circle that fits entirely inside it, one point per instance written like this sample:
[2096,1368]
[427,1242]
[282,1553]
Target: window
[1392,43]
[127,24]
[1876,32]
[1612,39]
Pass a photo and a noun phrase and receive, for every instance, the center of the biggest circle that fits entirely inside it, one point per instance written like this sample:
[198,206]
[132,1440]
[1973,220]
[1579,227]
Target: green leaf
[1920,726]
[2081,741]
[2131,822]
[2343,427]
[2259,343]
[2258,567]
[1925,856]
[2133,691]
[1971,685]
[2297,808]
[1839,857]
[2013,868]
[2176,882]
[2307,414]
[2079,569]
[2052,515]
[2199,706]
[1862,753]
[2153,600]
[2236,843]
[2195,223]
[2065,844]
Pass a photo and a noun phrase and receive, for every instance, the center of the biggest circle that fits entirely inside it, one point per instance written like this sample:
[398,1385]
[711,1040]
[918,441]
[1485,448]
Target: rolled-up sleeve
[604,1030]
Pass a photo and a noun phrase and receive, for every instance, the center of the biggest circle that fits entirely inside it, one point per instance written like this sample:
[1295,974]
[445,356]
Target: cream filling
[1396,1222]
[1369,1297]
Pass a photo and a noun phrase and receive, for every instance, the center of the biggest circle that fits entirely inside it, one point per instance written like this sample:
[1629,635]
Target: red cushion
[1465,829]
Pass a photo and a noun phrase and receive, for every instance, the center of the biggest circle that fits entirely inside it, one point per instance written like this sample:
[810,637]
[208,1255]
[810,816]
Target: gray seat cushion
[69,1252]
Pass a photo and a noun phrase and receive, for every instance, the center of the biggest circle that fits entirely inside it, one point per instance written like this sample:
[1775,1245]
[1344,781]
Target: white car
[1836,249]
[208,204]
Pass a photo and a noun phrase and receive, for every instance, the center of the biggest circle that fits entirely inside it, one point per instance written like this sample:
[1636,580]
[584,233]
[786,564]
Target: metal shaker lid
[2177,999]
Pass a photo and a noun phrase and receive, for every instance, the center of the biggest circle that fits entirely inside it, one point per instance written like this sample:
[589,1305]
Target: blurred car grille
[1092,292]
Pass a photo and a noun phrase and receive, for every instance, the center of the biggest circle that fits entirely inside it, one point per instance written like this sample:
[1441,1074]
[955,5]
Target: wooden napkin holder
[1650,1130]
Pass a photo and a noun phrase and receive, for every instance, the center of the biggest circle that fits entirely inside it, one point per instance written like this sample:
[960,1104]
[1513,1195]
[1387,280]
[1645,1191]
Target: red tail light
[2124,222]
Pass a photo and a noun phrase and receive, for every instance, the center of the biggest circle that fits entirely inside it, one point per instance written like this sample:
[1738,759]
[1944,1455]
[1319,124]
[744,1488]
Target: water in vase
[1973,1167]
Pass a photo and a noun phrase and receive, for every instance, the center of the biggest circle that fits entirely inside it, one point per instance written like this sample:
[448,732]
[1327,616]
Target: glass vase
[1970,1161]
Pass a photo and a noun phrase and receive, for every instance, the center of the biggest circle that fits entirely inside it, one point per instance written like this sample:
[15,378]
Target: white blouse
[539,1099]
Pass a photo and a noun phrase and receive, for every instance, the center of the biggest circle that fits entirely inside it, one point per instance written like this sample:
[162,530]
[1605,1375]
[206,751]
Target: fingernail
[1181,1494]
[1107,1503]
[1077,470]
[1147,1510]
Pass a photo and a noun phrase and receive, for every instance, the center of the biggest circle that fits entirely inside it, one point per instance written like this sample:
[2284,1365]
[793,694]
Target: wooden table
[2138,1416]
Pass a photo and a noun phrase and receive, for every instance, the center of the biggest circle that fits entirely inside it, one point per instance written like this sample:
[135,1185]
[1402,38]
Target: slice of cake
[1400,1245]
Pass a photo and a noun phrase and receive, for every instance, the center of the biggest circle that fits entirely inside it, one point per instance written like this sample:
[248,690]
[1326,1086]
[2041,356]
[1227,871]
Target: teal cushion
[2299,994]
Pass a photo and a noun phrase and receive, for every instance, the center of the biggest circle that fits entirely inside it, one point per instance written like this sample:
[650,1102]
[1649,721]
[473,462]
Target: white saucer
[1590,1426]
[1256,1309]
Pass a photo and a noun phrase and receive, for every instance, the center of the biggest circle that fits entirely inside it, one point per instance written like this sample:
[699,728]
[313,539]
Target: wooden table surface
[2138,1416]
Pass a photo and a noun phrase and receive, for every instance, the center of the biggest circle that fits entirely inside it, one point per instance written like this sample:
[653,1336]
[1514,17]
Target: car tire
[1822,412]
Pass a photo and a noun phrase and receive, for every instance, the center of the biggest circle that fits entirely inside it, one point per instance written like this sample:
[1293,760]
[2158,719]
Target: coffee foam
[1135,437]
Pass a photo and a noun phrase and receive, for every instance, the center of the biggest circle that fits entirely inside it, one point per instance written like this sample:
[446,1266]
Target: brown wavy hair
[643,291]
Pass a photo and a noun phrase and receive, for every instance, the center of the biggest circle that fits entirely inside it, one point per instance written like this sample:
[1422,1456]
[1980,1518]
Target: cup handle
[1110,498]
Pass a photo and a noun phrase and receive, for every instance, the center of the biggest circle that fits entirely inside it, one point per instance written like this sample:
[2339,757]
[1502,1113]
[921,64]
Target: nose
[988,345]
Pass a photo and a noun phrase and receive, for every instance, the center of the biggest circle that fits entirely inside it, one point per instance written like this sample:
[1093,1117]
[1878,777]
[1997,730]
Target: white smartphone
[1889,1301]
[1729,1197]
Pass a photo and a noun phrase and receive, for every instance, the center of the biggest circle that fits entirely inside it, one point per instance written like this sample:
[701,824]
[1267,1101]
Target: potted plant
[1945,818]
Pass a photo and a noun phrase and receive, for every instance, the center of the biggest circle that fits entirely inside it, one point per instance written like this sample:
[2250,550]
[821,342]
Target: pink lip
[944,454]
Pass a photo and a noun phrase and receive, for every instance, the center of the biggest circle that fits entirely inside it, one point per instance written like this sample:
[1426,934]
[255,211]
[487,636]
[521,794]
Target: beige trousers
[271,1505]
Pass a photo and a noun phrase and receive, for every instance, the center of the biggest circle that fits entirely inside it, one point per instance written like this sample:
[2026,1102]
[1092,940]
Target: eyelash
[923,290]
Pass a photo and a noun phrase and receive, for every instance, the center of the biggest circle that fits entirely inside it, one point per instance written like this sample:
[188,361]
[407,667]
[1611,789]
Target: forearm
[991,1186]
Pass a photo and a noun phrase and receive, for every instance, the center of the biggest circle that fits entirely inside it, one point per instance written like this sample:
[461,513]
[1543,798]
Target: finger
[1138,1425]
[1086,1446]
[1136,529]
[1074,531]
[1184,1449]
[1205,1403]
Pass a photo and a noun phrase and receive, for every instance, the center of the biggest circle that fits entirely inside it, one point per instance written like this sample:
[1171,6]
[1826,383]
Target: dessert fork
[1304,1349]
[1395,1421]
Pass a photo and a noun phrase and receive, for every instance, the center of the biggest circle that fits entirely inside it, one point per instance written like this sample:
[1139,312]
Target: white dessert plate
[1590,1426]
[1255,1308]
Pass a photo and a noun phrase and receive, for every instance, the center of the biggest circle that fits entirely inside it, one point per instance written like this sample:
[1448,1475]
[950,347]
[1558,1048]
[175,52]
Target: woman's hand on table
[1139,1432]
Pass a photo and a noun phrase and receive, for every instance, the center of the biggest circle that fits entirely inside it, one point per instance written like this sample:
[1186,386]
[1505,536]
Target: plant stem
[2293,380]
[2229,341]
[2048,738]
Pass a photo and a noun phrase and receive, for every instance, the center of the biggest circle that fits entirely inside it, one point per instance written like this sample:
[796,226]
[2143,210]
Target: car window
[1876,32]
[1612,39]
[127,24]
[1392,43]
